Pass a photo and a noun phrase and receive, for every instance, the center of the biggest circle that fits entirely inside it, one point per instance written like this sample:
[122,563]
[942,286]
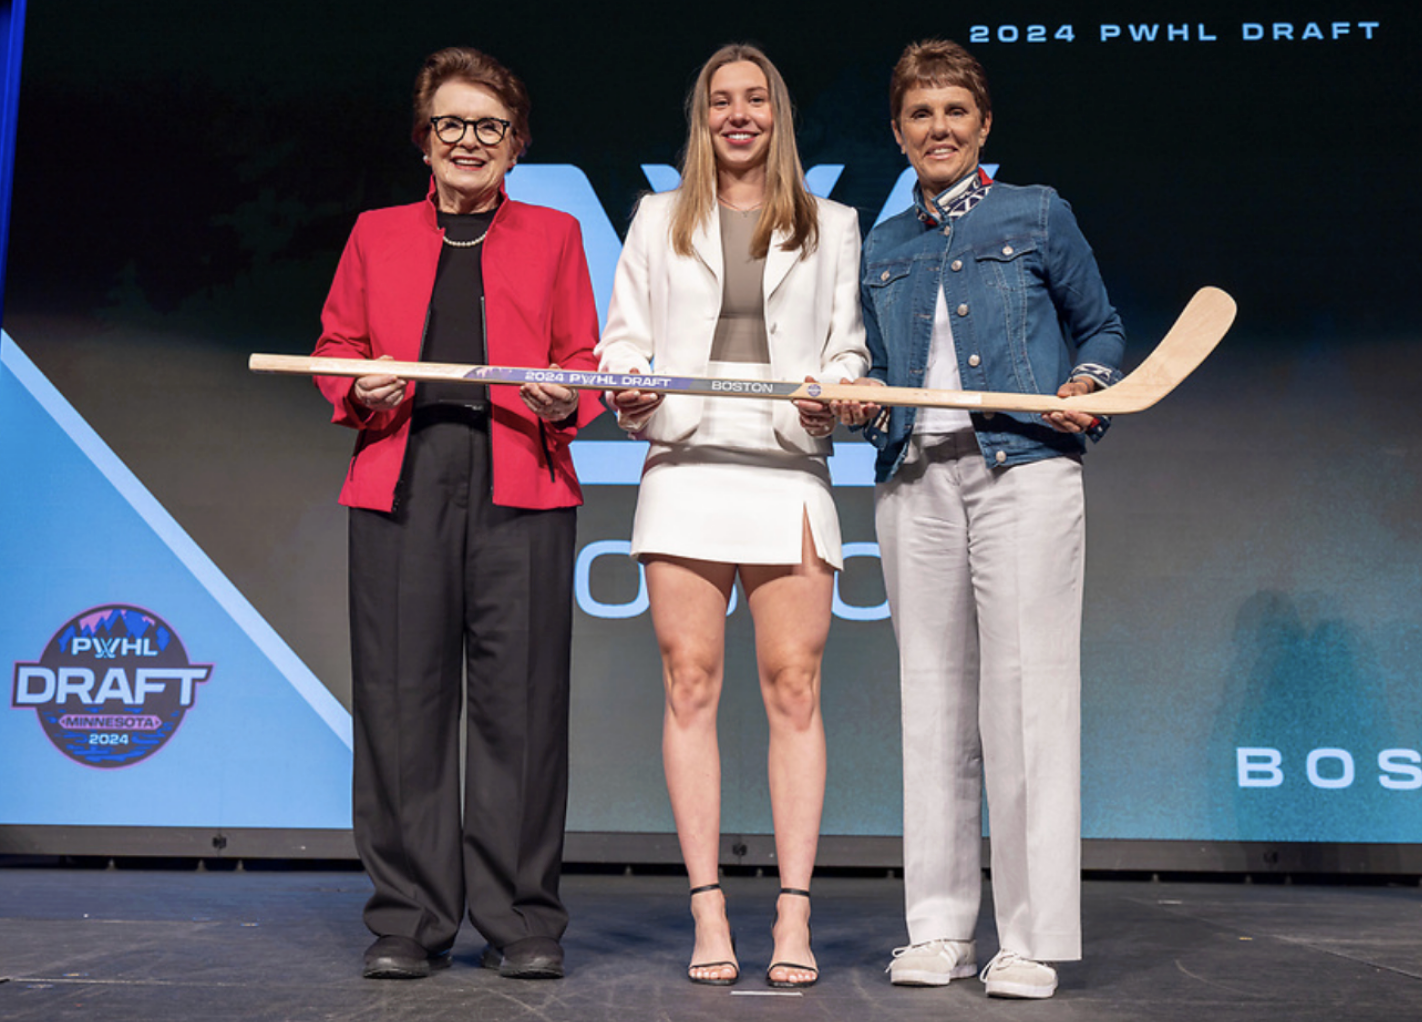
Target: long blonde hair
[788,205]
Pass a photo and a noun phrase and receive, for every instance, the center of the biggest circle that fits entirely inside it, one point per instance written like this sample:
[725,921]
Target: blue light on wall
[12,33]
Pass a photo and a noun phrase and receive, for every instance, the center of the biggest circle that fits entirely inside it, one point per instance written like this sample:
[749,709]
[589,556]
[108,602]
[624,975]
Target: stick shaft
[582,380]
[1194,335]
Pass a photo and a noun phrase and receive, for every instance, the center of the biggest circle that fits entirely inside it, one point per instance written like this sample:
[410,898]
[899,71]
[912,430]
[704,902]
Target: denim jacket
[1029,312]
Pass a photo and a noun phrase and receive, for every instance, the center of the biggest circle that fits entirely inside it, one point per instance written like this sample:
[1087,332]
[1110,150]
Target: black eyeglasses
[488,130]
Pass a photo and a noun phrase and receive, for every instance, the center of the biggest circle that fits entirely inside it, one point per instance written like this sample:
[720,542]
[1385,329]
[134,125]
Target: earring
[427,160]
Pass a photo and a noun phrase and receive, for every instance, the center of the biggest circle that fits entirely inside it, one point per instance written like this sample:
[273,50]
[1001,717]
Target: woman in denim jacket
[980,518]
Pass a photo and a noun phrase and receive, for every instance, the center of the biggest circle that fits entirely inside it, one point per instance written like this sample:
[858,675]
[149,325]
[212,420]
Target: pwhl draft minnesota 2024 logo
[111,687]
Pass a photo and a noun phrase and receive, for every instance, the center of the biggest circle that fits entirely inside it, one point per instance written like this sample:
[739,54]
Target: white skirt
[731,493]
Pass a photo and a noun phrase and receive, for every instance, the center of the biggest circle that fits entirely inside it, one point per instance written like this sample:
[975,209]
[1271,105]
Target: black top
[454,323]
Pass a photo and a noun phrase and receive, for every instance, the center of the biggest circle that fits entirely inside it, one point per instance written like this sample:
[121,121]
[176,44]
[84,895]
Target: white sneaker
[933,963]
[1011,975]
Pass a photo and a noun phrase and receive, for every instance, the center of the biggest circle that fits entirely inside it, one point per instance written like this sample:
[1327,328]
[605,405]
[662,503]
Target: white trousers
[984,569]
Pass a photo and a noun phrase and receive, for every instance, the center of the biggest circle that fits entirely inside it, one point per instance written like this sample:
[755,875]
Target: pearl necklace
[465,244]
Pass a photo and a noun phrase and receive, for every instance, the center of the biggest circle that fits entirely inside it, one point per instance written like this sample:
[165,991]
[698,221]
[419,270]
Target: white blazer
[665,308]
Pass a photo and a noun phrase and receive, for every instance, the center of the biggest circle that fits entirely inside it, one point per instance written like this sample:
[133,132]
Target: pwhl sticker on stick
[111,687]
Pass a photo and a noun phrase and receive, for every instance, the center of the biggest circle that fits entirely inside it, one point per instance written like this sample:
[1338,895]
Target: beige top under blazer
[665,307]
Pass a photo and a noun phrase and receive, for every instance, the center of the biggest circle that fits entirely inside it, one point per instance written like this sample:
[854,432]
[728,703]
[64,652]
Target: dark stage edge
[157,945]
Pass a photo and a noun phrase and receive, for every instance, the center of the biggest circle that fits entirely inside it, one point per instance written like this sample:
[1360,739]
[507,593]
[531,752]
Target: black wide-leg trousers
[447,581]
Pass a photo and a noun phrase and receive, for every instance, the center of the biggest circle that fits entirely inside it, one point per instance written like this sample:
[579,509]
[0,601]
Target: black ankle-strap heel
[791,984]
[728,981]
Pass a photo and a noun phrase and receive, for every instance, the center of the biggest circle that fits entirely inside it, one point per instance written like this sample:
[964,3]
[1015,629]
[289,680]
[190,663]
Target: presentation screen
[174,630]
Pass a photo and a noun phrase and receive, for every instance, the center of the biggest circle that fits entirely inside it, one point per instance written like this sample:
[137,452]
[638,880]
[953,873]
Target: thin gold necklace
[739,209]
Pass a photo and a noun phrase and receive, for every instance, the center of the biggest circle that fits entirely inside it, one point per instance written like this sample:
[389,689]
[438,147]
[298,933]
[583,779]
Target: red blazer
[538,309]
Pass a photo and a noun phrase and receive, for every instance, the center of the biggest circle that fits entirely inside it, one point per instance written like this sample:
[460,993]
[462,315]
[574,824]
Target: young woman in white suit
[739,272]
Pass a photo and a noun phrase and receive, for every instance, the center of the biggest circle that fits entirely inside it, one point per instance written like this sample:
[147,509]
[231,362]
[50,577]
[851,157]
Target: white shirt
[942,372]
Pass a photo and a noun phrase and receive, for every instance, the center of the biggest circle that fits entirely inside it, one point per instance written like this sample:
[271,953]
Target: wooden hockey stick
[1195,334]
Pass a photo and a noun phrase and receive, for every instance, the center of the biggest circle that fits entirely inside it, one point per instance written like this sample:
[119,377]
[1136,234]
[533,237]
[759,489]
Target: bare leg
[689,600]
[791,610]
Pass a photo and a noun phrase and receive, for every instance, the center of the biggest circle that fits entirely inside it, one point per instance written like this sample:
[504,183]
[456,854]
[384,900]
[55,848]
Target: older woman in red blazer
[461,537]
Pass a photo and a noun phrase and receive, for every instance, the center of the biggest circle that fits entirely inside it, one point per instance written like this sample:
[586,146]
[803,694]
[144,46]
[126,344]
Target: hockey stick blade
[1195,334]
[1198,330]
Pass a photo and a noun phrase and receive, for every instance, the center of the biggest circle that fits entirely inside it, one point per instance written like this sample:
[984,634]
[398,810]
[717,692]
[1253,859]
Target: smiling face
[469,173]
[741,117]
[941,131]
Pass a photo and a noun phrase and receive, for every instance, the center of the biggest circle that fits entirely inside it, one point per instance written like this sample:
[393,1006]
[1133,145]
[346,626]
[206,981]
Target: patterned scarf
[951,203]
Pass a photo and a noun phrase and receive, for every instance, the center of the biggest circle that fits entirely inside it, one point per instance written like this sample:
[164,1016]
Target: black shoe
[400,958]
[791,984]
[719,981]
[491,957]
[531,958]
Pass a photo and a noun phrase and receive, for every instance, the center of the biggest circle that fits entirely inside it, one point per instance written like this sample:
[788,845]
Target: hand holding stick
[379,392]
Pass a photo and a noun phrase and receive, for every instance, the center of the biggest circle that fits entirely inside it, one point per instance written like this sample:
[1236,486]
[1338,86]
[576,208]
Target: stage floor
[156,945]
